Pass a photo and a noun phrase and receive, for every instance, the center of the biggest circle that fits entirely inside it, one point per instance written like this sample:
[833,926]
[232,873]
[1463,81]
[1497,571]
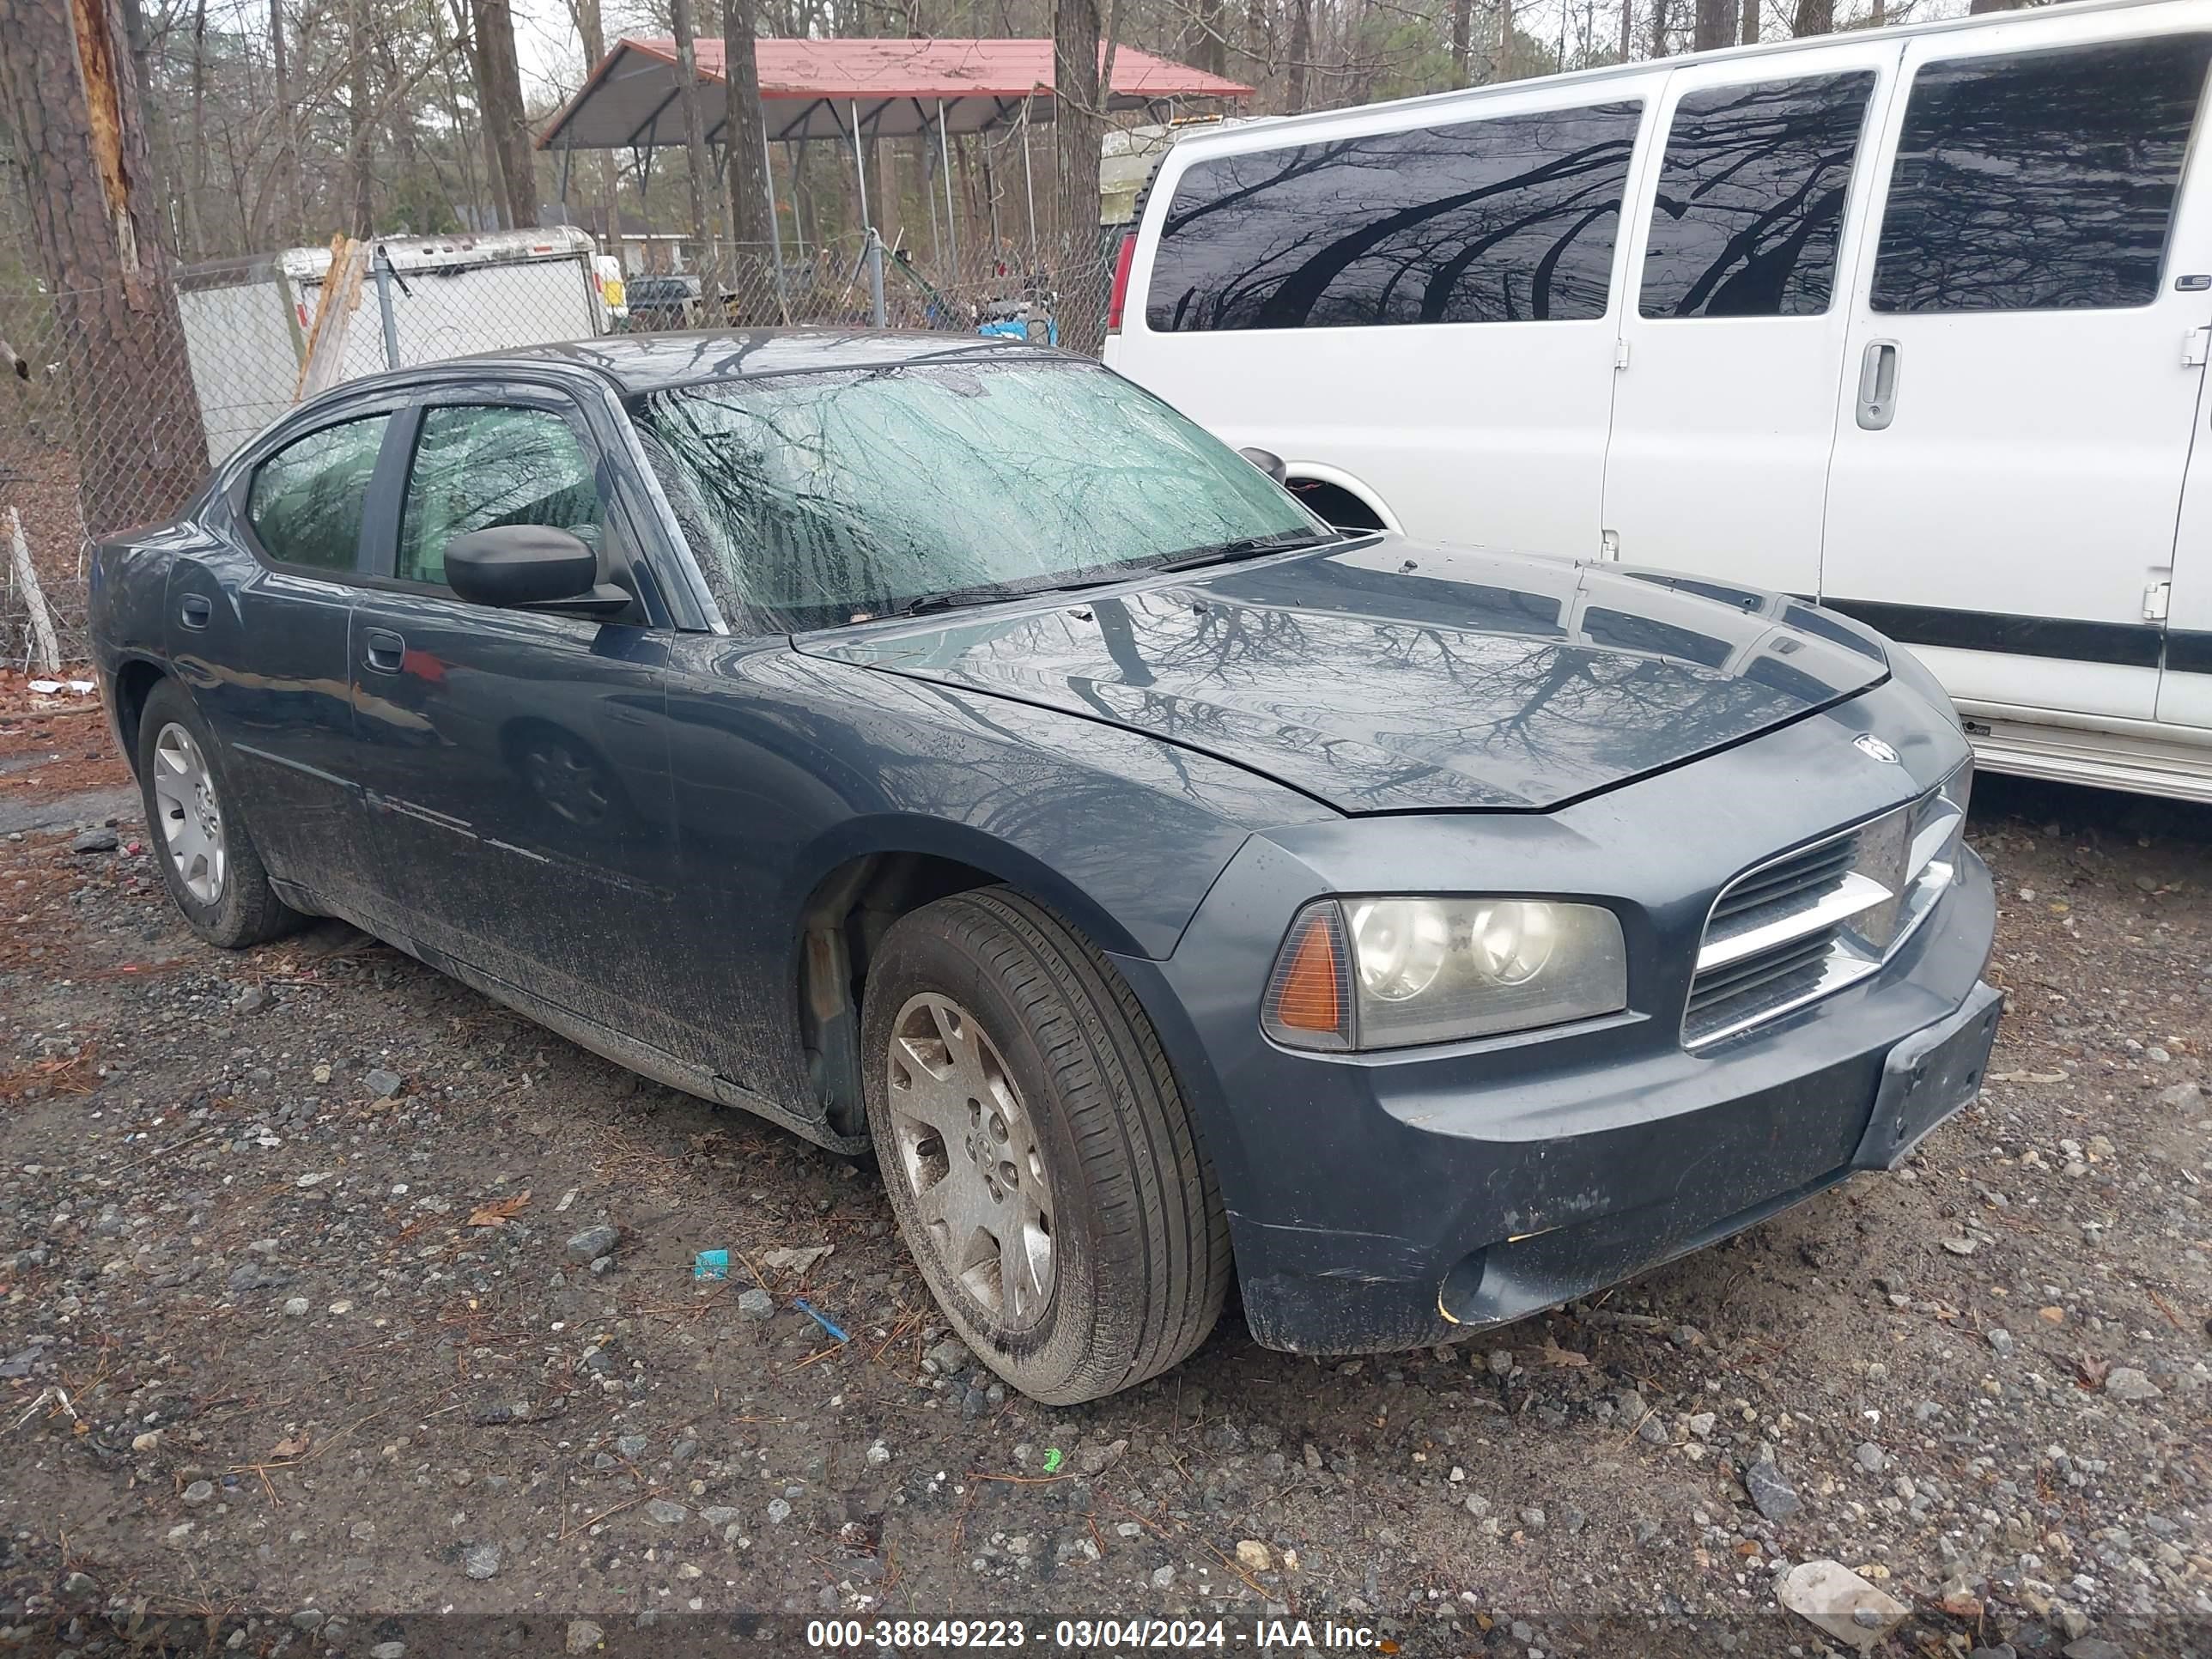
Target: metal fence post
[384,307]
[875,259]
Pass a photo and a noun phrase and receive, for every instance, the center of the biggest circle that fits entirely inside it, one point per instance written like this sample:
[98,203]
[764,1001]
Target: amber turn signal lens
[1309,995]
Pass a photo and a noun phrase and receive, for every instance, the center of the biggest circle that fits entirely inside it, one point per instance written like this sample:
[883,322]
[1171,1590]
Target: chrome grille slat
[1742,977]
[1807,924]
[1806,873]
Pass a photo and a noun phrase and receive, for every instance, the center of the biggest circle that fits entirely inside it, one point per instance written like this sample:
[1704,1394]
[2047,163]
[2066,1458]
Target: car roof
[649,362]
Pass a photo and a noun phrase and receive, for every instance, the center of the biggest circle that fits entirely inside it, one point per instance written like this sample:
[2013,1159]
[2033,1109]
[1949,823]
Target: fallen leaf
[291,1446]
[1960,1605]
[2051,1315]
[1551,1354]
[2092,1371]
[499,1214]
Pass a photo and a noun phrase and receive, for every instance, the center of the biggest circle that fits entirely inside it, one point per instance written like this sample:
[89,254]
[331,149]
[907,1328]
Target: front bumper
[1489,1206]
[1399,1199]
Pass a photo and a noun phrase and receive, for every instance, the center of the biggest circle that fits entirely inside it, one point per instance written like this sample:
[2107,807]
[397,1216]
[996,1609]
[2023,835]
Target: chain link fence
[114,403]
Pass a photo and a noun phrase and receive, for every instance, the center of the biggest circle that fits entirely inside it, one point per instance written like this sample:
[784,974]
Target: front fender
[1120,832]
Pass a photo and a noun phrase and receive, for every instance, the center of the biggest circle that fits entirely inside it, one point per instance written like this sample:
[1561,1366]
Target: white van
[1913,319]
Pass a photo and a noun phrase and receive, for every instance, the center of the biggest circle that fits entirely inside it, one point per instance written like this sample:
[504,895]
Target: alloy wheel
[191,815]
[969,1152]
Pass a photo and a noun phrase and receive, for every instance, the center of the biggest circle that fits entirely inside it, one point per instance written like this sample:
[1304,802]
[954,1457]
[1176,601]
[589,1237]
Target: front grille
[1803,925]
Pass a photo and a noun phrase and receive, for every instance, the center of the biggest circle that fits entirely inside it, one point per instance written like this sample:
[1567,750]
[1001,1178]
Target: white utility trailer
[450,296]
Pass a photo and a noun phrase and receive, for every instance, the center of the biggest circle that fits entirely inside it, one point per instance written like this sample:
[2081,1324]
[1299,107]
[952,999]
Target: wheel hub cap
[190,817]
[969,1152]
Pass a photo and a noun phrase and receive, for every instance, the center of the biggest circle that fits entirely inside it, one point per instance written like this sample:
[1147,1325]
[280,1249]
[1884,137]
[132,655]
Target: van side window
[1510,220]
[307,500]
[2040,180]
[1751,198]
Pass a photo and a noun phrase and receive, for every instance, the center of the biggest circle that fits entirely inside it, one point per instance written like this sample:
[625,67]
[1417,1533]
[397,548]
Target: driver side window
[481,465]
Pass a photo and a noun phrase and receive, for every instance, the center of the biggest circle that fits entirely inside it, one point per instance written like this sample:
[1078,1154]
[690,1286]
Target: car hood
[1393,676]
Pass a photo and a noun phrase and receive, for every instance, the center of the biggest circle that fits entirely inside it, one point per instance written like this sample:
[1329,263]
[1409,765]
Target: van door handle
[197,611]
[1878,385]
[383,650]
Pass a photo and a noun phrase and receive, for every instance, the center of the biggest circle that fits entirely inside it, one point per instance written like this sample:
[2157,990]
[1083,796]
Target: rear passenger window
[1511,220]
[1751,198]
[478,466]
[2040,180]
[307,500]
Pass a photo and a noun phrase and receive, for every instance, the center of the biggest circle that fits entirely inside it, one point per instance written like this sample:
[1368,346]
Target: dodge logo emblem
[1867,743]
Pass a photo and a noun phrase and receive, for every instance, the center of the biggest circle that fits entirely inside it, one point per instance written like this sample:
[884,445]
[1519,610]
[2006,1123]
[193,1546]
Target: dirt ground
[344,1312]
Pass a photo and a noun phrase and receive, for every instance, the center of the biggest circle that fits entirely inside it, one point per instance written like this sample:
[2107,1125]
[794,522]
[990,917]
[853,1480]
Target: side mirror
[527,564]
[1269,463]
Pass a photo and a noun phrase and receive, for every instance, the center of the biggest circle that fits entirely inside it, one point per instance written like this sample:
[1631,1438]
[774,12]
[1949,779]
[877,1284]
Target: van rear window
[1510,220]
[2040,180]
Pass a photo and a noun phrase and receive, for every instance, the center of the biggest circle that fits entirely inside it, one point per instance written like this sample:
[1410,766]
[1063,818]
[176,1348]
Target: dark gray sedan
[951,751]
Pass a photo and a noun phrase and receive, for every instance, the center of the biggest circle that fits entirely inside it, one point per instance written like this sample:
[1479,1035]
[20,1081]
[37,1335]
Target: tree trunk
[1660,19]
[1501,69]
[1463,27]
[696,170]
[73,101]
[359,159]
[744,147]
[1079,121]
[1627,30]
[195,180]
[1212,38]
[161,156]
[1715,25]
[495,198]
[288,151]
[1301,49]
[1753,22]
[1814,17]
[1878,13]
[499,96]
[1976,8]
[591,25]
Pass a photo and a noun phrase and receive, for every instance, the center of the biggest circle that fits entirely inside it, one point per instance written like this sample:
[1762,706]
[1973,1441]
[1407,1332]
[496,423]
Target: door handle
[197,611]
[383,650]
[1878,385]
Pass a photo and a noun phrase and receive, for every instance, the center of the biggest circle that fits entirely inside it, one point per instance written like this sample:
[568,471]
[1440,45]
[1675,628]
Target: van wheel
[1039,1156]
[200,839]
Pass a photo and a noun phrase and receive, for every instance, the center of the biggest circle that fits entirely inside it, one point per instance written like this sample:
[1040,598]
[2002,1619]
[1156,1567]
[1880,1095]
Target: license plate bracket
[1928,1077]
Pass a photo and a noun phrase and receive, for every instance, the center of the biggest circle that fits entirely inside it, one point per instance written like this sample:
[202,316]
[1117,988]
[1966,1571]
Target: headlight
[1384,973]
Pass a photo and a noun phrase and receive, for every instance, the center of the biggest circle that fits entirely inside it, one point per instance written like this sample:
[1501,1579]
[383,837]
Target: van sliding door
[2018,390]
[2185,685]
[1732,335]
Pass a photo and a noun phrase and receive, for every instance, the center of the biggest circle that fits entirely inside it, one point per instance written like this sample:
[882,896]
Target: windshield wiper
[956,599]
[1244,547]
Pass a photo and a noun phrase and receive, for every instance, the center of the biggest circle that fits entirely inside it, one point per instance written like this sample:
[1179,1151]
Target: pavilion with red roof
[864,89]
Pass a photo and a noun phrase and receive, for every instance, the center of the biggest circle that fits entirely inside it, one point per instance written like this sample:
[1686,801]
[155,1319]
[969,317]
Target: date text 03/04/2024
[1094,1635]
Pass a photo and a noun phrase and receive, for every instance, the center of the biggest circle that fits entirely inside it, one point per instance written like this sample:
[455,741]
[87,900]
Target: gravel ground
[343,1311]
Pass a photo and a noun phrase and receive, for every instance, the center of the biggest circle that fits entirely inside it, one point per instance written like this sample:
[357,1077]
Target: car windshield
[817,499]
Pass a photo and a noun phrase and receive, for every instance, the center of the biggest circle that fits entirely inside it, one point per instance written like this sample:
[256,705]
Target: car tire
[990,1022]
[199,835]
